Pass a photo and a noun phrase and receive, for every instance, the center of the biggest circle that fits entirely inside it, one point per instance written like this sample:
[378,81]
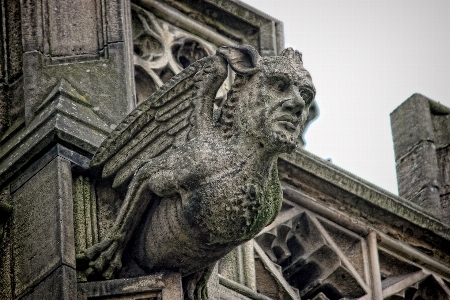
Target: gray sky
[366,57]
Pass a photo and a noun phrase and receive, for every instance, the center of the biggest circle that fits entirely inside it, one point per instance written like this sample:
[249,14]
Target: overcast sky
[366,57]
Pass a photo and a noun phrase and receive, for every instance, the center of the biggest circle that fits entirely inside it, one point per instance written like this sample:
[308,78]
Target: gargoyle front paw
[103,258]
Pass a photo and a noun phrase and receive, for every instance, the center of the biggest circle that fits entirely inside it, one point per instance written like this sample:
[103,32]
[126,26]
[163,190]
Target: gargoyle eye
[306,94]
[280,85]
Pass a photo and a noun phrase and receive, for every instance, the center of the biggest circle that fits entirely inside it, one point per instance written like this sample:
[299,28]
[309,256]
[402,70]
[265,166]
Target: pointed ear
[243,59]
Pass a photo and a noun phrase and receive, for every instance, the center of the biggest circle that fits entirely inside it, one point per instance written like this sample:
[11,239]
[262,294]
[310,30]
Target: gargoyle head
[270,98]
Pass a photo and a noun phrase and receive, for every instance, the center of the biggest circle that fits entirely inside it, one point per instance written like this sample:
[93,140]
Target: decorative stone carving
[317,257]
[201,177]
[161,50]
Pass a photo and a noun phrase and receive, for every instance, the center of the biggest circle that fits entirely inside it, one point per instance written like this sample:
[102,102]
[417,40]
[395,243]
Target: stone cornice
[366,191]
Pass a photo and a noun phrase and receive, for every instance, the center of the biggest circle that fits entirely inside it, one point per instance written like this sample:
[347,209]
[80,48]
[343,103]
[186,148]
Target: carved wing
[176,113]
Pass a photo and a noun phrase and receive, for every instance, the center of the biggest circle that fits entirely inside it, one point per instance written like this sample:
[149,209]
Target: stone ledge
[64,118]
[366,191]
[167,286]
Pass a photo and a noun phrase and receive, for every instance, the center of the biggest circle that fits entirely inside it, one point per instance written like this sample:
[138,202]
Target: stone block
[411,124]
[13,32]
[417,170]
[429,199]
[60,284]
[16,109]
[5,262]
[4,120]
[117,12]
[418,178]
[164,286]
[80,35]
[42,225]
[103,83]
[441,124]
[445,203]
[46,29]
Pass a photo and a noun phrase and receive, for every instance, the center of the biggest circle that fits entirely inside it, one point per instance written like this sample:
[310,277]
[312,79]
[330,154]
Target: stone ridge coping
[366,191]
[258,13]
[435,106]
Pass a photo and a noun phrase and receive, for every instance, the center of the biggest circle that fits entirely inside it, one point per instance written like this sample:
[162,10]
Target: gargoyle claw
[114,265]
[104,257]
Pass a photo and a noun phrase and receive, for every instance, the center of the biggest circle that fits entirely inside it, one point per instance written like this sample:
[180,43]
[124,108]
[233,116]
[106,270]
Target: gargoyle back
[177,112]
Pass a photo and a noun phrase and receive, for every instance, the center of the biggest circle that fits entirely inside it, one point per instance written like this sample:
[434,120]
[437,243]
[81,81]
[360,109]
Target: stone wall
[421,134]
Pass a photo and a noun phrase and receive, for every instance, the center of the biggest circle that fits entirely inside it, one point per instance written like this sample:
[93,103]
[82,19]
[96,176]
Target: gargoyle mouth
[288,122]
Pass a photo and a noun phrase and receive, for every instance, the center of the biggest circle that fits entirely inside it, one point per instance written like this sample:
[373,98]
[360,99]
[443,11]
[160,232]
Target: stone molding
[152,287]
[64,117]
[365,191]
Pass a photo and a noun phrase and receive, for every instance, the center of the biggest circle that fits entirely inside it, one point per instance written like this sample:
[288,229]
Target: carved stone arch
[161,50]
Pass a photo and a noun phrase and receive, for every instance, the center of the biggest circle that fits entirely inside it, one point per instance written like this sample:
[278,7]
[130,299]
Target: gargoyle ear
[243,59]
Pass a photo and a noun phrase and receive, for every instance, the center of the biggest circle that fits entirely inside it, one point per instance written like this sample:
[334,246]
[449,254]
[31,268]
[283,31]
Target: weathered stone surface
[411,125]
[445,202]
[5,213]
[418,170]
[421,134]
[53,47]
[235,21]
[78,85]
[4,108]
[13,36]
[165,286]
[100,82]
[42,230]
[46,28]
[11,41]
[10,63]
[429,199]
[60,284]
[64,116]
[441,125]
[16,105]
[80,36]
[6,278]
[239,265]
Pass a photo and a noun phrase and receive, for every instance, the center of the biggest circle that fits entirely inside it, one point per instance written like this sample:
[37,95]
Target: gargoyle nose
[295,104]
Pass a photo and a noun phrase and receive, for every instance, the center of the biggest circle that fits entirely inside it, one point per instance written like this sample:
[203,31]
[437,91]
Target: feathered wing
[179,111]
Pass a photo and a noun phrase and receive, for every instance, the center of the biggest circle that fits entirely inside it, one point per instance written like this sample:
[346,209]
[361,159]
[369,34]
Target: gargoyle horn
[294,56]
[243,59]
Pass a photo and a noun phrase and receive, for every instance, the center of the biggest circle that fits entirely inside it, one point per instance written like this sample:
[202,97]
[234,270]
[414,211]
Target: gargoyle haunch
[207,170]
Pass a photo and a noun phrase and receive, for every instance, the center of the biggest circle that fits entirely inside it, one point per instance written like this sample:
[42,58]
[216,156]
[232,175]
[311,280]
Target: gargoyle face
[277,104]
[274,98]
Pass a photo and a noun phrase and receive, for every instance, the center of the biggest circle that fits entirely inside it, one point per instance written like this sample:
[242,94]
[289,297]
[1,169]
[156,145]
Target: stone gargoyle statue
[203,172]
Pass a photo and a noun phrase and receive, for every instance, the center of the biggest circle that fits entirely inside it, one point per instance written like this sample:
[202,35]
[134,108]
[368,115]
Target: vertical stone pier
[421,133]
[65,81]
